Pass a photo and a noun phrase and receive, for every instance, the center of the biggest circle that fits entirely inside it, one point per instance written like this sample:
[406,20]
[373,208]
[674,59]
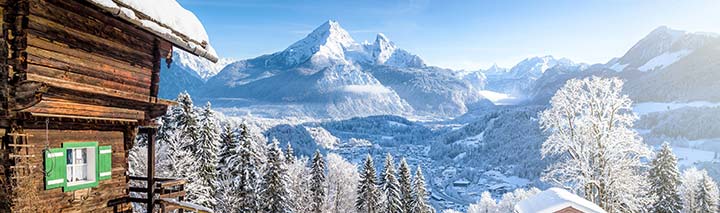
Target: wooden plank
[100,26]
[87,88]
[170,183]
[58,107]
[89,59]
[173,195]
[84,79]
[81,40]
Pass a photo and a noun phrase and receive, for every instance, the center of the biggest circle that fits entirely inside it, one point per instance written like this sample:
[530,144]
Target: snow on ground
[664,60]
[499,98]
[554,200]
[618,67]
[650,107]
[690,156]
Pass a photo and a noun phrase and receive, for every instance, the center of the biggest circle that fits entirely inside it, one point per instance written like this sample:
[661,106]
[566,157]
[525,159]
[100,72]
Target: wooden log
[82,40]
[87,88]
[61,51]
[83,79]
[28,93]
[59,107]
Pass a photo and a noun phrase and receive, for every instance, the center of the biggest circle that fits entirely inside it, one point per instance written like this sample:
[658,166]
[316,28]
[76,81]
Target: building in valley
[79,81]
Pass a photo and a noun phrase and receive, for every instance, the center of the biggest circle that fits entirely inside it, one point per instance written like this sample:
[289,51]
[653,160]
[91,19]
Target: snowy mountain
[518,80]
[329,74]
[662,47]
[202,67]
[187,73]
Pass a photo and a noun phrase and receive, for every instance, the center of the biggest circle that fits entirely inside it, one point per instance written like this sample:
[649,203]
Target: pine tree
[249,178]
[406,190]
[228,148]
[186,121]
[665,180]
[207,158]
[289,154]
[390,186]
[420,204]
[275,182]
[317,184]
[368,196]
[705,200]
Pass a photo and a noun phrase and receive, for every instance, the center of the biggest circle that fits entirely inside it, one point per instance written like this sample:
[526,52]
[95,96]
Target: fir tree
[289,154]
[275,184]
[665,180]
[420,204]
[207,158]
[390,186]
[248,180]
[705,200]
[186,121]
[228,150]
[368,196]
[317,184]
[406,190]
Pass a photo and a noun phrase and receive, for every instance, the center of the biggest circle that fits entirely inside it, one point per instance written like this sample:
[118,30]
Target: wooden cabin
[79,82]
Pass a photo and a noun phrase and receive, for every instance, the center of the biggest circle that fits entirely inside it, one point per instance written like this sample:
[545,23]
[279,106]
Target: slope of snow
[553,200]
[618,67]
[664,60]
[650,107]
[690,156]
[203,67]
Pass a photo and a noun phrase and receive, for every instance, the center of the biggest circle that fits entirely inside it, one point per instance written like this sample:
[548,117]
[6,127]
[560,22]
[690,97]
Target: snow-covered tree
[665,180]
[207,158]
[275,182]
[390,187]
[691,190]
[228,149]
[420,203]
[406,190]
[451,211]
[289,154]
[226,178]
[509,200]
[707,198]
[317,182]
[598,153]
[342,182]
[299,190]
[249,177]
[486,204]
[368,195]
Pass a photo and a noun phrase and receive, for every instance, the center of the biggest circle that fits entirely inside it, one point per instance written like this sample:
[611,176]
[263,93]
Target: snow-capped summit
[534,67]
[327,42]
[382,49]
[660,48]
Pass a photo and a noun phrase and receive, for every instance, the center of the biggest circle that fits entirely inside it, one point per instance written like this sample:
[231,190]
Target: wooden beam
[151,168]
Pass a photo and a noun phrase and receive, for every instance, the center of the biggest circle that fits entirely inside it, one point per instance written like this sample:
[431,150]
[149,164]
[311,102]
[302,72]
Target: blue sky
[456,34]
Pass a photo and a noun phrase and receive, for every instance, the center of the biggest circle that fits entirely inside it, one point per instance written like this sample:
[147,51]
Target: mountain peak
[326,42]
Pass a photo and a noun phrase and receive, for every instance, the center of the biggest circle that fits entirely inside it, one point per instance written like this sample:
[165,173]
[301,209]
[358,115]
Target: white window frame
[90,166]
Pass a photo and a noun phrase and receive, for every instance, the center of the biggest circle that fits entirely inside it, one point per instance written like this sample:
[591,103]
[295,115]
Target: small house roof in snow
[553,200]
[166,19]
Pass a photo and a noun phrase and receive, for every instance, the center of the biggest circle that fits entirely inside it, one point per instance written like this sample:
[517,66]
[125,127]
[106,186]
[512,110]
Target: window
[80,162]
[77,165]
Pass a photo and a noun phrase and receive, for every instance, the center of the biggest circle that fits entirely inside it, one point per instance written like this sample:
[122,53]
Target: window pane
[69,157]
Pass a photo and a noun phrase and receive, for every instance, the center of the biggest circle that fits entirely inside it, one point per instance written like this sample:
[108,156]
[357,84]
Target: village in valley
[128,106]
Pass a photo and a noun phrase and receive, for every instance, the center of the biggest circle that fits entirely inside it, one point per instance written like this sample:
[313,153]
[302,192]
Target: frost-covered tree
[275,182]
[390,186]
[509,200]
[707,198]
[299,190]
[228,149]
[665,180]
[248,181]
[420,203]
[317,182]
[691,190]
[289,154]
[486,204]
[406,190]
[226,179]
[368,196]
[207,158]
[342,182]
[598,153]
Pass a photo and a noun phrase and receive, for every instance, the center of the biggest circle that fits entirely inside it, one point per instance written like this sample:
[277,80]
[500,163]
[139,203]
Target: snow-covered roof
[555,199]
[166,19]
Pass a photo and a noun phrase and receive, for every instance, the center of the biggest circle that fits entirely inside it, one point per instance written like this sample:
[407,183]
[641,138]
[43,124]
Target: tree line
[232,168]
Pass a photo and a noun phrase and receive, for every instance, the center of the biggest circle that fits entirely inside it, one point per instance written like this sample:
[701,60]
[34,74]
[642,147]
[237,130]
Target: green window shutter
[55,168]
[104,162]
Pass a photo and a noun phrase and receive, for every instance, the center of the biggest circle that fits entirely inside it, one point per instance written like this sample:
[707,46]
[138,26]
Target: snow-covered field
[689,156]
[499,98]
[650,107]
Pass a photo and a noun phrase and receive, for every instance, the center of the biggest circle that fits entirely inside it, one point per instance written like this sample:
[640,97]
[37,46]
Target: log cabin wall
[93,200]
[94,64]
